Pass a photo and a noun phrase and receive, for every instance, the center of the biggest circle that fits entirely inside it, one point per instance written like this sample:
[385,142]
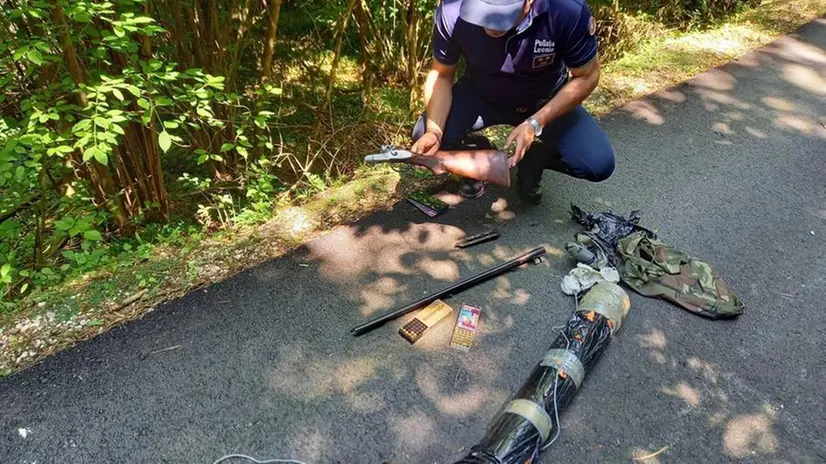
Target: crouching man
[518,54]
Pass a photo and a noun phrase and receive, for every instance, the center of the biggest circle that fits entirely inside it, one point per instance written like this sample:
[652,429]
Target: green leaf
[202,159]
[117,94]
[83,140]
[117,128]
[134,90]
[18,54]
[24,273]
[83,125]
[19,173]
[141,20]
[242,151]
[171,124]
[144,103]
[92,235]
[164,141]
[119,31]
[81,18]
[43,118]
[64,224]
[35,56]
[5,270]
[79,228]
[24,287]
[101,157]
[101,122]
[227,147]
[91,152]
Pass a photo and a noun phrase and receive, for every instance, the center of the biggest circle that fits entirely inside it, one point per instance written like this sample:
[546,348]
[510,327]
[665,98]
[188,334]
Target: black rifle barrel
[450,291]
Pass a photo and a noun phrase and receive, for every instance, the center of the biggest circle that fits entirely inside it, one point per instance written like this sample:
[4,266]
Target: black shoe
[529,189]
[471,189]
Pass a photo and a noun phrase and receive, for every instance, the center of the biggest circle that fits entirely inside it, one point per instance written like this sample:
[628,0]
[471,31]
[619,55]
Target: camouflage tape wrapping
[511,437]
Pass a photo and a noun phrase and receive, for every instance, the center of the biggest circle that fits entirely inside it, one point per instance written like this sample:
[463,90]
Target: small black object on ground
[477,239]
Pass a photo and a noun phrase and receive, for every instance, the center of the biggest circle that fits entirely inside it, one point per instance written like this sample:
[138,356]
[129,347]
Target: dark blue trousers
[573,144]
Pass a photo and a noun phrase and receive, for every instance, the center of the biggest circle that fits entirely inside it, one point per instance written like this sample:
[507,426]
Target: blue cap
[497,15]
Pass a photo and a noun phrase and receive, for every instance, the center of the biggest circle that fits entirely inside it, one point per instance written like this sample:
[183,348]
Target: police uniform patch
[592,26]
[543,60]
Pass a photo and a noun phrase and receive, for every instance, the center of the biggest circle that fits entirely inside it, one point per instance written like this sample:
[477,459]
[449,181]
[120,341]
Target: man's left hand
[522,135]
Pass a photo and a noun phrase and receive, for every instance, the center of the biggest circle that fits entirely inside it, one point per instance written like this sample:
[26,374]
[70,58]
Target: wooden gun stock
[487,165]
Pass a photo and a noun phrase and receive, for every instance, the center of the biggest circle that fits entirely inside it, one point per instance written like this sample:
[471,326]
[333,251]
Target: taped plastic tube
[523,427]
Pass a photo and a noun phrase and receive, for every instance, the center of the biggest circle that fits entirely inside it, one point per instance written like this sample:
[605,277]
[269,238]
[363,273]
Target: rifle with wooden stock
[487,165]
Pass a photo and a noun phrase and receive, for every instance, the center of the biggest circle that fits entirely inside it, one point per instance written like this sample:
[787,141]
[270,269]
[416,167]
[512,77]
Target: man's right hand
[428,144]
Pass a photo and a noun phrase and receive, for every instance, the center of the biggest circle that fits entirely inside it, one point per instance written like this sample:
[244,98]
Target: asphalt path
[729,167]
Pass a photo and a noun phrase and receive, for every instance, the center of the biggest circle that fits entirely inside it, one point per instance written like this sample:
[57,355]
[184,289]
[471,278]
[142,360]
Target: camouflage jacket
[655,269]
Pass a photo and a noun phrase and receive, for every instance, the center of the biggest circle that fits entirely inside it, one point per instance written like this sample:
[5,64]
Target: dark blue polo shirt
[530,62]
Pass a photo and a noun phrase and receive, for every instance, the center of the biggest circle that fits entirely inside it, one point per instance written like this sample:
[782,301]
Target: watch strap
[537,128]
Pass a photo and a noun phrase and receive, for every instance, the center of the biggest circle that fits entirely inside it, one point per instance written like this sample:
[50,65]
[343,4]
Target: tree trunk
[214,38]
[240,46]
[194,20]
[41,218]
[337,56]
[269,39]
[412,55]
[146,45]
[100,177]
[367,71]
[69,55]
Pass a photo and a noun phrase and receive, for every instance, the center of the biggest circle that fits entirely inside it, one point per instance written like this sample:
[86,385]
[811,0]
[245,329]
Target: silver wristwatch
[537,129]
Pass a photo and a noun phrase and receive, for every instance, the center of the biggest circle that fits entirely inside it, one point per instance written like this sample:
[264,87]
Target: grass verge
[672,57]
[85,307]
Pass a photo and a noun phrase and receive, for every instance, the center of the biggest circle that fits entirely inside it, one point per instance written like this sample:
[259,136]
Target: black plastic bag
[529,422]
[604,230]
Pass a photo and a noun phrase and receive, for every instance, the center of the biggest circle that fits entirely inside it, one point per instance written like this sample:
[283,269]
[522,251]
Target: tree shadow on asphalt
[390,256]
[267,366]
